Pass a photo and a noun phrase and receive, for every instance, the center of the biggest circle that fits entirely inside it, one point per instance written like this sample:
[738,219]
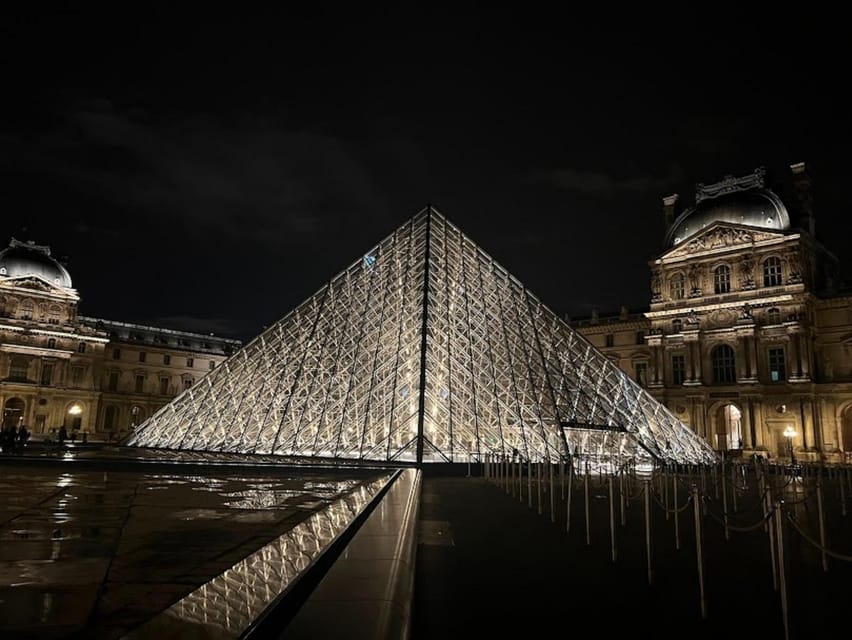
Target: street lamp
[790,433]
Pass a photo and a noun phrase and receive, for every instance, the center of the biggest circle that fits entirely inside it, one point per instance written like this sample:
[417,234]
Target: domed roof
[27,258]
[742,201]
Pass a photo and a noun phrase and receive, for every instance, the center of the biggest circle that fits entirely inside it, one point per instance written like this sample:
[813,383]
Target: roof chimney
[669,203]
[804,197]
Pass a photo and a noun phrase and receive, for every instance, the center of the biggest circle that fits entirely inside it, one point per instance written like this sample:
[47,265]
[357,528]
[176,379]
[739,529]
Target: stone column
[805,354]
[747,426]
[740,354]
[757,421]
[656,374]
[807,416]
[795,366]
[752,345]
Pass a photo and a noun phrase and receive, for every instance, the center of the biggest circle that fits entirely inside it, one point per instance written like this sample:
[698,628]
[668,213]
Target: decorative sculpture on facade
[730,184]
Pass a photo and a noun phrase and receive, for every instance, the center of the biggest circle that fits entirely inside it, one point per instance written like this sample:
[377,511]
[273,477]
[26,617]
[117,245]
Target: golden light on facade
[75,410]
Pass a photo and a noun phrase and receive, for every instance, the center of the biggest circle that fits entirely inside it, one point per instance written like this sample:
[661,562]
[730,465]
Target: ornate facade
[748,338]
[94,376]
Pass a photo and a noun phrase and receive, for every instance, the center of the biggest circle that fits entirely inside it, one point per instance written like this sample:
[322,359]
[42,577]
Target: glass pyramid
[424,349]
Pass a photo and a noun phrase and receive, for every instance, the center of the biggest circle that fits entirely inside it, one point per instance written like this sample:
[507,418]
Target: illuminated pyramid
[425,349]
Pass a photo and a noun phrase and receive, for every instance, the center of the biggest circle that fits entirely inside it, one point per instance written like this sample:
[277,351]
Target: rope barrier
[742,529]
[833,554]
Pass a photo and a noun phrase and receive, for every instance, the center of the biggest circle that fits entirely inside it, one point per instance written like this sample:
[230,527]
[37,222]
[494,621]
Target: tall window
[773,316]
[77,375]
[109,416]
[676,287]
[18,369]
[140,384]
[51,343]
[53,315]
[610,342]
[722,279]
[112,385]
[142,356]
[164,386]
[641,369]
[777,365]
[27,308]
[724,364]
[46,373]
[116,354]
[678,369]
[187,383]
[167,359]
[189,362]
[212,365]
[677,326]
[772,272]
[640,337]
[81,348]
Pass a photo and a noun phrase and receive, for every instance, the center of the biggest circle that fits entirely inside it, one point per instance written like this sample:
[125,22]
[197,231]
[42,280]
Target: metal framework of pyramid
[427,350]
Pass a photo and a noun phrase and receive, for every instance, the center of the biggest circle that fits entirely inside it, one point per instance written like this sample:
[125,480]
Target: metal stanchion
[782,574]
[621,499]
[676,513]
[529,483]
[648,530]
[520,480]
[552,493]
[612,519]
[725,503]
[512,476]
[562,476]
[821,515]
[570,493]
[588,518]
[538,484]
[699,551]
[665,480]
[843,492]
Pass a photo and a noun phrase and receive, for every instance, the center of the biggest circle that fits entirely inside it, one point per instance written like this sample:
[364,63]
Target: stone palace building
[748,336]
[94,376]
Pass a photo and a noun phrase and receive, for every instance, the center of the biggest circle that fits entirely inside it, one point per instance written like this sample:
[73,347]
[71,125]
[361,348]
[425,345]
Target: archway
[729,430]
[74,416]
[13,413]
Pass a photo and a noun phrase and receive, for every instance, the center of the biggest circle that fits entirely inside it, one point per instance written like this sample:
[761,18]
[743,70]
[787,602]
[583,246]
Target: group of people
[12,437]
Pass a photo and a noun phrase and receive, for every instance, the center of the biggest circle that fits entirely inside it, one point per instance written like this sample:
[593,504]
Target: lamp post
[790,433]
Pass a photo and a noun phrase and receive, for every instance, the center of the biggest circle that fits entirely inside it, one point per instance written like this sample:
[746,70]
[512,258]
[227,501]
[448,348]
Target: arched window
[772,272]
[773,316]
[51,343]
[677,326]
[27,308]
[676,287]
[724,364]
[722,279]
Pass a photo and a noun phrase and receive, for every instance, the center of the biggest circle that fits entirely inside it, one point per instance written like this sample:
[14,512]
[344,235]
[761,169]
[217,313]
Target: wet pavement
[96,553]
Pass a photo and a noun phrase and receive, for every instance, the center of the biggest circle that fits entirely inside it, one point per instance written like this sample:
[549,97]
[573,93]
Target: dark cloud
[606,185]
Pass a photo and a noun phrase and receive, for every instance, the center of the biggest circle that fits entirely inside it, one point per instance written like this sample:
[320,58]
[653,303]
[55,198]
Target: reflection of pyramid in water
[424,350]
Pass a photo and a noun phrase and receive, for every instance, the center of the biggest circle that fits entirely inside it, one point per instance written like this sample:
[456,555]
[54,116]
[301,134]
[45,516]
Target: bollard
[570,493]
[782,574]
[588,519]
[699,552]
[821,515]
[612,520]
[648,530]
[770,531]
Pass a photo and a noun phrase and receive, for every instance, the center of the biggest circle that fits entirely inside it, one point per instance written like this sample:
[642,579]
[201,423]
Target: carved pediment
[36,283]
[720,236]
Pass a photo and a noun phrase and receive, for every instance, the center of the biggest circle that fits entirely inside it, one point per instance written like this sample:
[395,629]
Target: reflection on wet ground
[101,552]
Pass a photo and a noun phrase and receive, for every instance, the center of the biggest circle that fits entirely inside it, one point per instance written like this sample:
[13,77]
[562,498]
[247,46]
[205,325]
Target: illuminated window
[722,279]
[676,287]
[724,364]
[678,369]
[777,365]
[772,272]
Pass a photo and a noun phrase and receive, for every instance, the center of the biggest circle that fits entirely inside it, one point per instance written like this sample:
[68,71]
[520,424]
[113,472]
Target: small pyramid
[423,350]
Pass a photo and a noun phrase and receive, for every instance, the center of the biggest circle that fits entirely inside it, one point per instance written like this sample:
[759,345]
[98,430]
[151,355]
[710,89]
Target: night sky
[211,173]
